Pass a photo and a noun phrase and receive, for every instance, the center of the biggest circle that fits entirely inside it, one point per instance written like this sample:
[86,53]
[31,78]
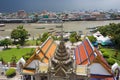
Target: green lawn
[7,54]
[111,53]
[32,42]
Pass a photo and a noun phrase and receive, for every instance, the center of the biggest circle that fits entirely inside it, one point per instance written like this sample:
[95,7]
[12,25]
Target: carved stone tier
[61,62]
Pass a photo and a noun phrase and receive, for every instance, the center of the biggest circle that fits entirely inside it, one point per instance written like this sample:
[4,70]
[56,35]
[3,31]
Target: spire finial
[62,31]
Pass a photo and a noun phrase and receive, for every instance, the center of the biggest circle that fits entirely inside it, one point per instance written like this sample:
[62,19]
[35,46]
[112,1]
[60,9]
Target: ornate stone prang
[61,62]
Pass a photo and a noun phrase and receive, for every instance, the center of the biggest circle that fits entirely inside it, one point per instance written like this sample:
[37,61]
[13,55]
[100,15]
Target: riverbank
[35,29]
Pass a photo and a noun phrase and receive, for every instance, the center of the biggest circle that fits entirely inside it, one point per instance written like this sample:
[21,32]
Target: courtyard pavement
[17,77]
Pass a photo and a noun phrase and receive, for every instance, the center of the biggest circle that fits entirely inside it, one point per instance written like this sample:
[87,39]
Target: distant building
[0,15]
[49,20]
[21,14]
[98,15]
[105,41]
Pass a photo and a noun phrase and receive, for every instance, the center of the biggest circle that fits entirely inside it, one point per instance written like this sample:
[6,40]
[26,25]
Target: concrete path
[1,48]
[17,77]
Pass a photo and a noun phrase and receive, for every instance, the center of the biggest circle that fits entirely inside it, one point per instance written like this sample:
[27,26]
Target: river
[35,28]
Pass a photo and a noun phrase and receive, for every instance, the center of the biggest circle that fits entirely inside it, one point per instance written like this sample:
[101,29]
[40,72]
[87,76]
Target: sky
[57,5]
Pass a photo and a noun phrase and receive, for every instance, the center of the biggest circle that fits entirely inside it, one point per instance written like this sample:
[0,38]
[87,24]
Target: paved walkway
[1,47]
[3,78]
[23,46]
[17,77]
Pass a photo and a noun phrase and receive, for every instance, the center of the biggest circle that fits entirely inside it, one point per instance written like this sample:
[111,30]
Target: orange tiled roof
[28,71]
[47,50]
[41,55]
[84,53]
[44,52]
[46,45]
[51,50]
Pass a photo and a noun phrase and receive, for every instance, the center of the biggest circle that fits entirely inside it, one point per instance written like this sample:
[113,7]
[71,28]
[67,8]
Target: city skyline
[57,5]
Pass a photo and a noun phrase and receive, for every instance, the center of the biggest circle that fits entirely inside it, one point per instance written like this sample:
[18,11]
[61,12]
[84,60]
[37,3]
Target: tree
[72,40]
[19,34]
[92,38]
[73,34]
[13,59]
[6,42]
[44,36]
[112,30]
[76,36]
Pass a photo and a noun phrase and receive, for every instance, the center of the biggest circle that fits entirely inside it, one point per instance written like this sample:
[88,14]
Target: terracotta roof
[46,45]
[51,50]
[44,52]
[25,71]
[84,53]
[47,50]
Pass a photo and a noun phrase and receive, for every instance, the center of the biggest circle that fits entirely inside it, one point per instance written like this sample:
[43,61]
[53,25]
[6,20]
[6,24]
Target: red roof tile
[85,62]
[92,57]
[84,53]
[46,45]
[77,55]
[41,55]
[88,47]
[45,60]
[44,52]
[51,51]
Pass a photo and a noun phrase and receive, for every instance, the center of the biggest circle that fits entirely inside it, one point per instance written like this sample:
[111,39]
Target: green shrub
[11,72]
[92,38]
[18,46]
[26,57]
[102,50]
[1,59]
[110,61]
[105,55]
[14,59]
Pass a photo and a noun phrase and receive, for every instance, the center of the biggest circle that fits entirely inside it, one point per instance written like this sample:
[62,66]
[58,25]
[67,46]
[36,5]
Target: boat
[2,25]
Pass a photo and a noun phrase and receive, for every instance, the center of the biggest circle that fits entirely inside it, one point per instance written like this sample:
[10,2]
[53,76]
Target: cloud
[56,5]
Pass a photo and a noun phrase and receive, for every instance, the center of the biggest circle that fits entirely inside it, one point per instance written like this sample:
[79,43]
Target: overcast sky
[57,5]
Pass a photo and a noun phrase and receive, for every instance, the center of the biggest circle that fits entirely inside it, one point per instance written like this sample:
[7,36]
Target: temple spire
[62,31]
[61,63]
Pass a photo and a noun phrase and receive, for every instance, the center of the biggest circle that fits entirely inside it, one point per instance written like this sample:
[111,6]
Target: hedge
[110,61]
[11,72]
[105,55]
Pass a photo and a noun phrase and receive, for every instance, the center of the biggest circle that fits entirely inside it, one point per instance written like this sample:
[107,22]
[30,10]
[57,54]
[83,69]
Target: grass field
[32,42]
[7,54]
[111,53]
